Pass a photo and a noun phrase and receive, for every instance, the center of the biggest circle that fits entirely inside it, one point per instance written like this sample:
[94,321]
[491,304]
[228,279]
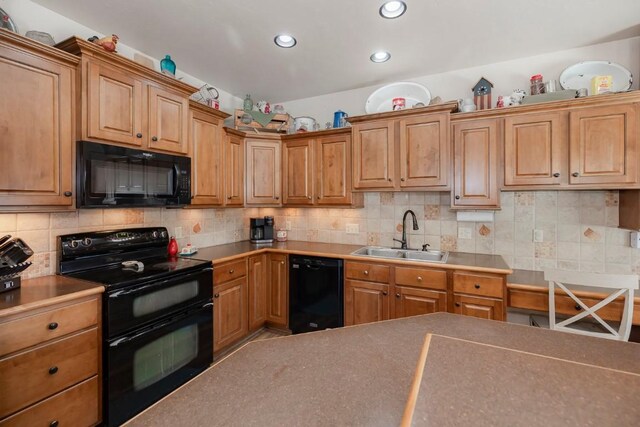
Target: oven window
[161,357]
[130,177]
[164,298]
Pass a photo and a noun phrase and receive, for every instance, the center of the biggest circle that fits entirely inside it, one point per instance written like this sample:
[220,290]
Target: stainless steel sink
[408,254]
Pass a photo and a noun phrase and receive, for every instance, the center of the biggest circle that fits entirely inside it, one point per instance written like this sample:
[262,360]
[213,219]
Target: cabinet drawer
[229,271]
[27,331]
[483,308]
[77,406]
[431,279]
[44,371]
[369,272]
[476,284]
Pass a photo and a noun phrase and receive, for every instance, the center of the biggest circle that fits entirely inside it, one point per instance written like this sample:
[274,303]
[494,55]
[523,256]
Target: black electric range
[157,325]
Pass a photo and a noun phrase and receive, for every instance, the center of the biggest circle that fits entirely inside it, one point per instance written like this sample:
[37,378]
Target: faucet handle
[425,247]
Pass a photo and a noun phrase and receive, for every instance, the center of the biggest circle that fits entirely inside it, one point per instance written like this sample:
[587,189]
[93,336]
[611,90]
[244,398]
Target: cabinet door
[263,173]
[374,155]
[277,290]
[533,146]
[333,170]
[257,291]
[114,106]
[484,308]
[603,145]
[475,164]
[36,130]
[206,159]
[229,313]
[234,171]
[168,121]
[424,151]
[297,161]
[365,302]
[414,302]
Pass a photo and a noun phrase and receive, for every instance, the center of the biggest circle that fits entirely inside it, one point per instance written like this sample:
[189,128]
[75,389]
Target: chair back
[617,284]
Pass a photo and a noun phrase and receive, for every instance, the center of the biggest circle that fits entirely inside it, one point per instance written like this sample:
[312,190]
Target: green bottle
[248,104]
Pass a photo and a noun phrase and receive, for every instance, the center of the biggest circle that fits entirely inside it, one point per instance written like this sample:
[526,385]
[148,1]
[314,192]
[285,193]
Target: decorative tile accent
[432,212]
[386,199]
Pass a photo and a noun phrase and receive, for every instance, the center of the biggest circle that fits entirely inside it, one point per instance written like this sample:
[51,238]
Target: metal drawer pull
[385,293]
[282,262]
[155,138]
[419,278]
[231,271]
[556,175]
[397,295]
[216,296]
[477,286]
[575,174]
[53,423]
[53,370]
[577,307]
[457,304]
[366,272]
[53,325]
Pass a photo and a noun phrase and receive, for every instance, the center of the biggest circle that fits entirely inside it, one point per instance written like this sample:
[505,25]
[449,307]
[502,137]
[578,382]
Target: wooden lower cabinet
[257,291]
[484,308]
[230,322]
[365,302]
[414,302]
[278,290]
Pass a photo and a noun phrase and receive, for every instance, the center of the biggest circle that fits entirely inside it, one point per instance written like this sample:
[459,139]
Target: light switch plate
[353,228]
[634,240]
[538,236]
[178,233]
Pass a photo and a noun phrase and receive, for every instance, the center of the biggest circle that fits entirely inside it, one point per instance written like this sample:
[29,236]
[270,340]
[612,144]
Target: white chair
[617,284]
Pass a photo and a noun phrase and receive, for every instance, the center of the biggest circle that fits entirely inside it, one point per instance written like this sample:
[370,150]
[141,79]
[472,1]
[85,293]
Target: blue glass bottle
[168,65]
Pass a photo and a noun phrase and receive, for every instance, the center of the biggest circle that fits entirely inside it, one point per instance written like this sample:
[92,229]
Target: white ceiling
[230,42]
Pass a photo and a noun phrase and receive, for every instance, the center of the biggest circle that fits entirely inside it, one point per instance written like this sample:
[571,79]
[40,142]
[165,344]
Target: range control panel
[101,242]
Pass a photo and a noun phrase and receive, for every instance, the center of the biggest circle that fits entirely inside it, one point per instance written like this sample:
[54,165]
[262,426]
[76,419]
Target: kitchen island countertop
[362,375]
[457,260]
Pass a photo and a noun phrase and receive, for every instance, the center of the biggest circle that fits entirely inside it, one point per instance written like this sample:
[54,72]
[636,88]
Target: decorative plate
[381,100]
[579,75]
[7,22]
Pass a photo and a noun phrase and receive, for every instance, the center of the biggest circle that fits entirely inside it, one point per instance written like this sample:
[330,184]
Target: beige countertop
[362,375]
[45,291]
[457,260]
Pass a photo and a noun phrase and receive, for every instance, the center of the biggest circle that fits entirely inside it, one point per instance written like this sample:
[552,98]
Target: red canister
[172,249]
[399,103]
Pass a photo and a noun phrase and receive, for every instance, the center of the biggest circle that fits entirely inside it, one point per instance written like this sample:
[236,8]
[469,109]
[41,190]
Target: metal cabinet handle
[309,197]
[282,262]
[457,197]
[556,175]
[68,194]
[385,293]
[419,278]
[389,180]
[53,423]
[366,272]
[228,197]
[457,304]
[53,325]
[577,307]
[575,174]
[154,138]
[138,135]
[216,296]
[402,179]
[477,286]
[277,198]
[231,271]
[53,370]
[397,295]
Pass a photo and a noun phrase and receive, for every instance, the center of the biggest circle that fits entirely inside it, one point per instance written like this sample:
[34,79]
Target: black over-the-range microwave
[112,176]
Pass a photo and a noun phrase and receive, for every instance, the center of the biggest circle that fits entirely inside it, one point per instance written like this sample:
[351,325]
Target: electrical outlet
[178,233]
[464,233]
[538,236]
[353,228]
[287,225]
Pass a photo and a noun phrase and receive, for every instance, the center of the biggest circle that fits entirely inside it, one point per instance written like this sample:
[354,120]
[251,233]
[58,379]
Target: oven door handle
[128,338]
[140,289]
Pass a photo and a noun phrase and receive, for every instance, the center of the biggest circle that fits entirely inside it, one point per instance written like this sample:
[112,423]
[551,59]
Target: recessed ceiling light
[285,40]
[393,9]
[380,56]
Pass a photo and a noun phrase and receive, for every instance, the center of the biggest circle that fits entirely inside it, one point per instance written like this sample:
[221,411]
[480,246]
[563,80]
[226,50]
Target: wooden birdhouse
[482,94]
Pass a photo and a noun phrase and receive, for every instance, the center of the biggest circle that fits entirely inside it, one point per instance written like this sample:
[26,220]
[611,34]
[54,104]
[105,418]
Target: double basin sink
[407,254]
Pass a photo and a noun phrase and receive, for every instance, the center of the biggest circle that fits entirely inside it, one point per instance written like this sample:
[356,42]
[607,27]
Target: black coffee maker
[261,230]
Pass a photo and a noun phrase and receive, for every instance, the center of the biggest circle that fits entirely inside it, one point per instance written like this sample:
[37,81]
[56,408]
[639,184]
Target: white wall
[31,16]
[506,76]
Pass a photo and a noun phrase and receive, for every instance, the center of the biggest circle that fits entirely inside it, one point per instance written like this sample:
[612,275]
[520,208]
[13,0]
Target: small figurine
[108,43]
[510,100]
[264,107]
[482,94]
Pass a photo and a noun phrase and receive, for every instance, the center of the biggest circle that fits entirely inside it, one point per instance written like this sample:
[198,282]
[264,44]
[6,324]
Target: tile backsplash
[579,229]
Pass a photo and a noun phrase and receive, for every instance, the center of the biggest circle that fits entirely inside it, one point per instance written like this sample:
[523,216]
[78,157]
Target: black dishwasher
[315,294]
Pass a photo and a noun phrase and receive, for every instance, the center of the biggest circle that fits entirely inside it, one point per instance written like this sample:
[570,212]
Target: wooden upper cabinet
[533,149]
[263,172]
[374,155]
[333,170]
[475,164]
[424,151]
[603,145]
[277,290]
[37,116]
[297,162]
[206,159]
[114,105]
[234,170]
[168,121]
